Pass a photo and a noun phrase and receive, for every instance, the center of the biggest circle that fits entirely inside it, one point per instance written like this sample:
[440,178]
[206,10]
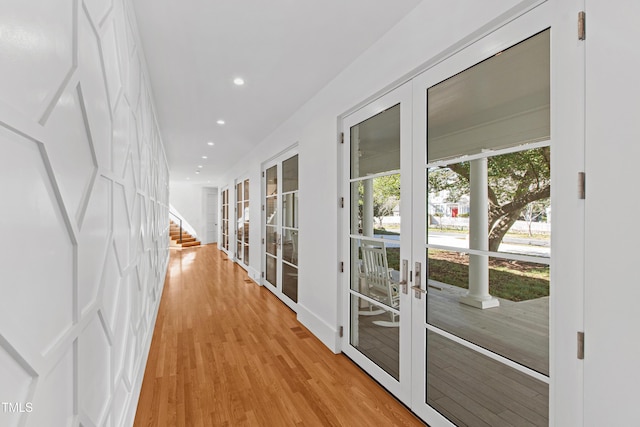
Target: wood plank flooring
[227,352]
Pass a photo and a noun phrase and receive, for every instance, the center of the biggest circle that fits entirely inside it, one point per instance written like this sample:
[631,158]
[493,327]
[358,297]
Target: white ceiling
[286,51]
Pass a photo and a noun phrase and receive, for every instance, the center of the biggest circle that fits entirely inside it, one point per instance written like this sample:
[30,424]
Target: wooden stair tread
[187,239]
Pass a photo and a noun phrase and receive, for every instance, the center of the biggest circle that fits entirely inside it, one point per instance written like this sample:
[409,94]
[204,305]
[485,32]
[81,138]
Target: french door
[451,296]
[224,211]
[280,227]
[242,222]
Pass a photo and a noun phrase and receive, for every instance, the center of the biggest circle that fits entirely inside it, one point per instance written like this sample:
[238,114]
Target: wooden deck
[468,388]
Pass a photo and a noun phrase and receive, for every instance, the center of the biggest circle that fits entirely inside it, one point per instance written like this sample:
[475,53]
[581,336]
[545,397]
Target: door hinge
[582,29]
[263,274]
[263,207]
[341,331]
[582,194]
[581,345]
[263,174]
[341,137]
[342,267]
[342,202]
[263,240]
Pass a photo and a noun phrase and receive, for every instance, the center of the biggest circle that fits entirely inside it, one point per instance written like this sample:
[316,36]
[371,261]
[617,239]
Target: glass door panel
[242,222]
[290,228]
[377,140]
[272,224]
[486,182]
[225,220]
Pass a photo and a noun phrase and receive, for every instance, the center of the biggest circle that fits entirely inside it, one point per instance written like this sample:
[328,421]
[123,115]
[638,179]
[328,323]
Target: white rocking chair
[377,275]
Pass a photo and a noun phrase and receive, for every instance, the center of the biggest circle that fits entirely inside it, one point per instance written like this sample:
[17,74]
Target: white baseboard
[136,388]
[321,329]
[254,275]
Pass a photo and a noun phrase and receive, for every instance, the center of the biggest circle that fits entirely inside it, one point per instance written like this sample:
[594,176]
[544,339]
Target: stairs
[187,239]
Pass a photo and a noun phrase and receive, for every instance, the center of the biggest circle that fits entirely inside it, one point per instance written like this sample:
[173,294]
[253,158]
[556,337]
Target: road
[515,245]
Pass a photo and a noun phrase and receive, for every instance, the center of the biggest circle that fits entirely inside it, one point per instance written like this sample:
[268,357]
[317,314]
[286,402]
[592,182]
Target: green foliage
[386,195]
[518,182]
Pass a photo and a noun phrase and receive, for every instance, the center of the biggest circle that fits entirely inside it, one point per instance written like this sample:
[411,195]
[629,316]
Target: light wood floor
[227,352]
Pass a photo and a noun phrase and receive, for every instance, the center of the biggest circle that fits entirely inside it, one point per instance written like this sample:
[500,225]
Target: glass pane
[272,181]
[290,246]
[498,103]
[290,281]
[519,205]
[375,270]
[518,186]
[471,389]
[375,333]
[518,328]
[272,240]
[246,232]
[246,189]
[447,207]
[290,210]
[238,249]
[238,191]
[290,174]
[272,211]
[272,269]
[375,144]
[375,207]
[246,254]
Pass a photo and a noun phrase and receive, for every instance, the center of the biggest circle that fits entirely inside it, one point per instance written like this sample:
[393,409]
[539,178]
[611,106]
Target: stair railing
[179,219]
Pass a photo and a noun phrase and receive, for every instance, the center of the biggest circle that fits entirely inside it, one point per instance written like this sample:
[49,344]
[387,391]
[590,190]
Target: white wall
[407,46]
[83,191]
[187,199]
[612,295]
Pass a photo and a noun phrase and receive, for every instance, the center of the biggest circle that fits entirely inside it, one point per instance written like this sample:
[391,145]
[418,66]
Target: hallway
[227,352]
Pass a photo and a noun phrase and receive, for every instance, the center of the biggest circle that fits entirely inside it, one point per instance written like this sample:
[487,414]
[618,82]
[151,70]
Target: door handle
[418,282]
[403,277]
[418,291]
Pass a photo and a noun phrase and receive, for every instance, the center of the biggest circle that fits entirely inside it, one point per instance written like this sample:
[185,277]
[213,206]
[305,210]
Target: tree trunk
[497,232]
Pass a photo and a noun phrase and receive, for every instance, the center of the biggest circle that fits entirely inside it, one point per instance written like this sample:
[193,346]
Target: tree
[515,181]
[386,196]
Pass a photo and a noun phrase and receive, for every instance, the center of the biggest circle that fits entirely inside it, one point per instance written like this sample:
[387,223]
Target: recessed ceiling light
[220,122]
[200,166]
[210,143]
[238,81]
[204,157]
[197,172]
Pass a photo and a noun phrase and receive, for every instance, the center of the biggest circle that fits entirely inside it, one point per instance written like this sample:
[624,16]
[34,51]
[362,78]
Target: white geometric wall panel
[84,191]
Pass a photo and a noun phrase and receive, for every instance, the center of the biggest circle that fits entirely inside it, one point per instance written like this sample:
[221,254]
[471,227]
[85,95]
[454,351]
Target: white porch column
[367,208]
[478,294]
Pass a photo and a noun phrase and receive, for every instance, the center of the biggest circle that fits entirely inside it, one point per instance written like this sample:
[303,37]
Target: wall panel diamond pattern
[84,199]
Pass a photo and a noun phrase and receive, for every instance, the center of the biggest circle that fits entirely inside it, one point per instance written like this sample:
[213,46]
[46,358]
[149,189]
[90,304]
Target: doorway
[449,293]
[281,227]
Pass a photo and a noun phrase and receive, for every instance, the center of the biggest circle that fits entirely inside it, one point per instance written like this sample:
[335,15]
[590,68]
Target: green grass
[511,280]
